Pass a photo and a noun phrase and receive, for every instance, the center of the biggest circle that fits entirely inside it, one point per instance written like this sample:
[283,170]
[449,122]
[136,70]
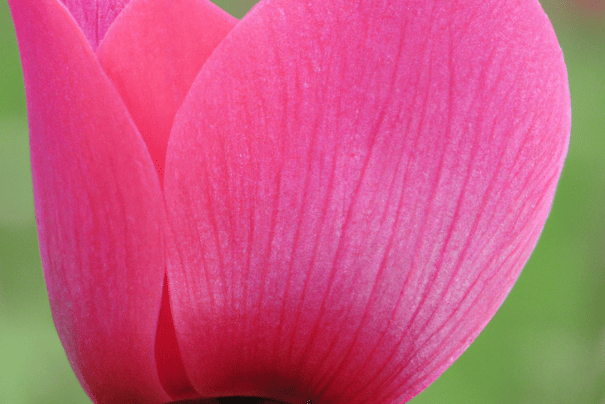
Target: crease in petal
[152,53]
[99,209]
[169,363]
[355,187]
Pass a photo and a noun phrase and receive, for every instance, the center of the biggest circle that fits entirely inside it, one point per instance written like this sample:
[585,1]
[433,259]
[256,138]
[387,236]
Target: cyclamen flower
[327,200]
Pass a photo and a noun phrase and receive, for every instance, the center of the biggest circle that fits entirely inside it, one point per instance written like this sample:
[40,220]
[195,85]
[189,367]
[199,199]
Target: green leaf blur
[545,345]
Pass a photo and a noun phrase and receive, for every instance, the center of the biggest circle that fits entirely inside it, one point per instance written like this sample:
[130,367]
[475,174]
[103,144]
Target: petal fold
[354,188]
[99,209]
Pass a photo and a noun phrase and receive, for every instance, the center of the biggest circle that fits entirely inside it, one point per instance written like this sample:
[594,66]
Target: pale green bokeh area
[545,345]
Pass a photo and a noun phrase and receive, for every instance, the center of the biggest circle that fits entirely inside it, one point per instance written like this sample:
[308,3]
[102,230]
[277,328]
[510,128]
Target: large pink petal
[99,209]
[354,188]
[95,16]
[153,52]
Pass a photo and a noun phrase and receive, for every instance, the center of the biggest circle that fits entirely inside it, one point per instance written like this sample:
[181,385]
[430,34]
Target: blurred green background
[545,345]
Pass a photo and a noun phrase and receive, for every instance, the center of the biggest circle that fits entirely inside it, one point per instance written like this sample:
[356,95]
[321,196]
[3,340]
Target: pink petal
[354,188]
[95,16]
[99,209]
[153,52]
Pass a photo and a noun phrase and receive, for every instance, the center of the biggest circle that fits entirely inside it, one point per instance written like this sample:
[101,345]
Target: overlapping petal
[153,52]
[99,209]
[354,187]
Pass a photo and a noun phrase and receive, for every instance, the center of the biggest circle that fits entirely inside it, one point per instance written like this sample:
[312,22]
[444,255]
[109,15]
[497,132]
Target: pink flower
[325,201]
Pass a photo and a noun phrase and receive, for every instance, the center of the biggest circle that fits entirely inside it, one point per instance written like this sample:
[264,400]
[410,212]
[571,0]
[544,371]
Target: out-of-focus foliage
[545,345]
